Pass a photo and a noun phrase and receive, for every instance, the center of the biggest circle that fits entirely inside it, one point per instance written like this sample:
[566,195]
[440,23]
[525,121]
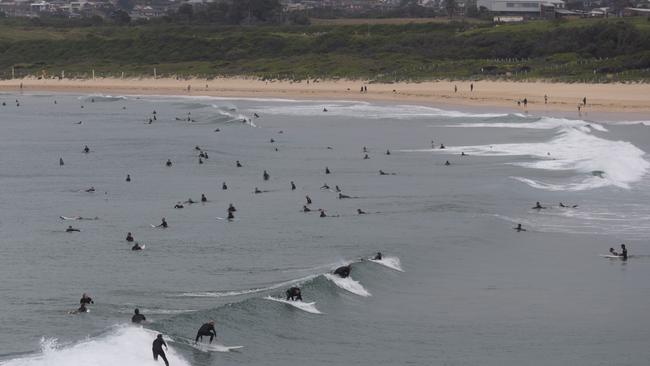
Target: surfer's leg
[211,337]
[162,355]
[155,355]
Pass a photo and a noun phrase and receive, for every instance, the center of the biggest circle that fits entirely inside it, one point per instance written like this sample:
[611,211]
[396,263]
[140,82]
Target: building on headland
[519,7]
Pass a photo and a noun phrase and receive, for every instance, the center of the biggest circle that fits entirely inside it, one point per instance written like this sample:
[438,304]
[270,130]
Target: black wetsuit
[378,257]
[294,294]
[136,247]
[86,300]
[206,329]
[158,350]
[138,318]
[624,253]
[342,272]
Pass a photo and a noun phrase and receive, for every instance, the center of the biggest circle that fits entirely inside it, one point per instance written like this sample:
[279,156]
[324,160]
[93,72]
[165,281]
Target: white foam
[390,262]
[125,346]
[544,123]
[309,307]
[348,284]
[368,111]
[601,162]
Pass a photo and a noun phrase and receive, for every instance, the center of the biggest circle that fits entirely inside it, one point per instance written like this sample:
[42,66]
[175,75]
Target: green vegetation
[580,50]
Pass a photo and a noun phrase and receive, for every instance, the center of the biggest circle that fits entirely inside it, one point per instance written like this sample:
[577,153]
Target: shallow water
[472,291]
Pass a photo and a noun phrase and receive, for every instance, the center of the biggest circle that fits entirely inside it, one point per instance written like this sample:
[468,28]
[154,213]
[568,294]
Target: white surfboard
[208,347]
[348,284]
[610,256]
[390,262]
[309,307]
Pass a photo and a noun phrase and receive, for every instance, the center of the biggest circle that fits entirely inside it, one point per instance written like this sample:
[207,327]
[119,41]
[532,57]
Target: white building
[519,6]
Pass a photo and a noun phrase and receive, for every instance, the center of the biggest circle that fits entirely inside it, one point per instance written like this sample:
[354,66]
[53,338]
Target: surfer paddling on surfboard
[343,271]
[206,329]
[538,206]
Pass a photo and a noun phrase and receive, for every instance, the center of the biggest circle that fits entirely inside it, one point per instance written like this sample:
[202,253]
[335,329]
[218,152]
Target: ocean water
[458,286]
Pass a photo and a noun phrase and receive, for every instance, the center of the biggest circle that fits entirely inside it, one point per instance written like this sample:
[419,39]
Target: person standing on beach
[471,87]
[545,99]
[455,88]
[584,101]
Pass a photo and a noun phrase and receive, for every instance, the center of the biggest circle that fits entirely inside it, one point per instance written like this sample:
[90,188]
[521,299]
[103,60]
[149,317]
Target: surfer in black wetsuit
[366,157]
[266,175]
[224,186]
[623,252]
[90,190]
[519,228]
[343,271]
[447,163]
[294,294]
[360,211]
[189,201]
[82,309]
[129,237]
[178,205]
[231,216]
[203,198]
[238,164]
[305,209]
[257,191]
[378,256]
[136,246]
[342,196]
[86,149]
[61,163]
[327,170]
[231,208]
[85,299]
[308,200]
[206,329]
[163,223]
[538,206]
[70,229]
[322,213]
[137,317]
[387,152]
[293,186]
[168,163]
[128,177]
[157,349]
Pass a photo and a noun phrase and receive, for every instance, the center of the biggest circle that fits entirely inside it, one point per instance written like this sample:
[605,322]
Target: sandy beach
[562,97]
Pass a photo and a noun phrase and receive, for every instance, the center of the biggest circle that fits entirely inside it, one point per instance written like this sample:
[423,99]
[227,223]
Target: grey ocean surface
[473,291]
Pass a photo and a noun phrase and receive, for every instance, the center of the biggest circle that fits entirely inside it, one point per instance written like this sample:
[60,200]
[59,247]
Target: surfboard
[68,218]
[304,306]
[390,262]
[207,347]
[609,256]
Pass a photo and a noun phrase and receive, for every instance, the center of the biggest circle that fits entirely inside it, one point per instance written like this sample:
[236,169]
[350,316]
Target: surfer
[157,349]
[224,186]
[85,299]
[613,252]
[322,213]
[231,208]
[189,201]
[327,170]
[519,228]
[343,271]
[293,186]
[378,256]
[308,200]
[360,211]
[266,175]
[387,152]
[70,229]
[61,162]
[381,172]
[366,157]
[442,146]
[623,252]
[163,223]
[86,149]
[136,246]
[257,191]
[538,206]
[203,198]
[305,209]
[568,206]
[294,294]
[231,216]
[82,309]
[137,317]
[168,163]
[129,237]
[342,196]
[206,329]
[128,177]
[337,188]
[90,190]
[178,205]
[238,164]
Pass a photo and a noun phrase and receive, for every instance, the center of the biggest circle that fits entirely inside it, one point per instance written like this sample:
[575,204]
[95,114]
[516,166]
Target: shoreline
[604,101]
